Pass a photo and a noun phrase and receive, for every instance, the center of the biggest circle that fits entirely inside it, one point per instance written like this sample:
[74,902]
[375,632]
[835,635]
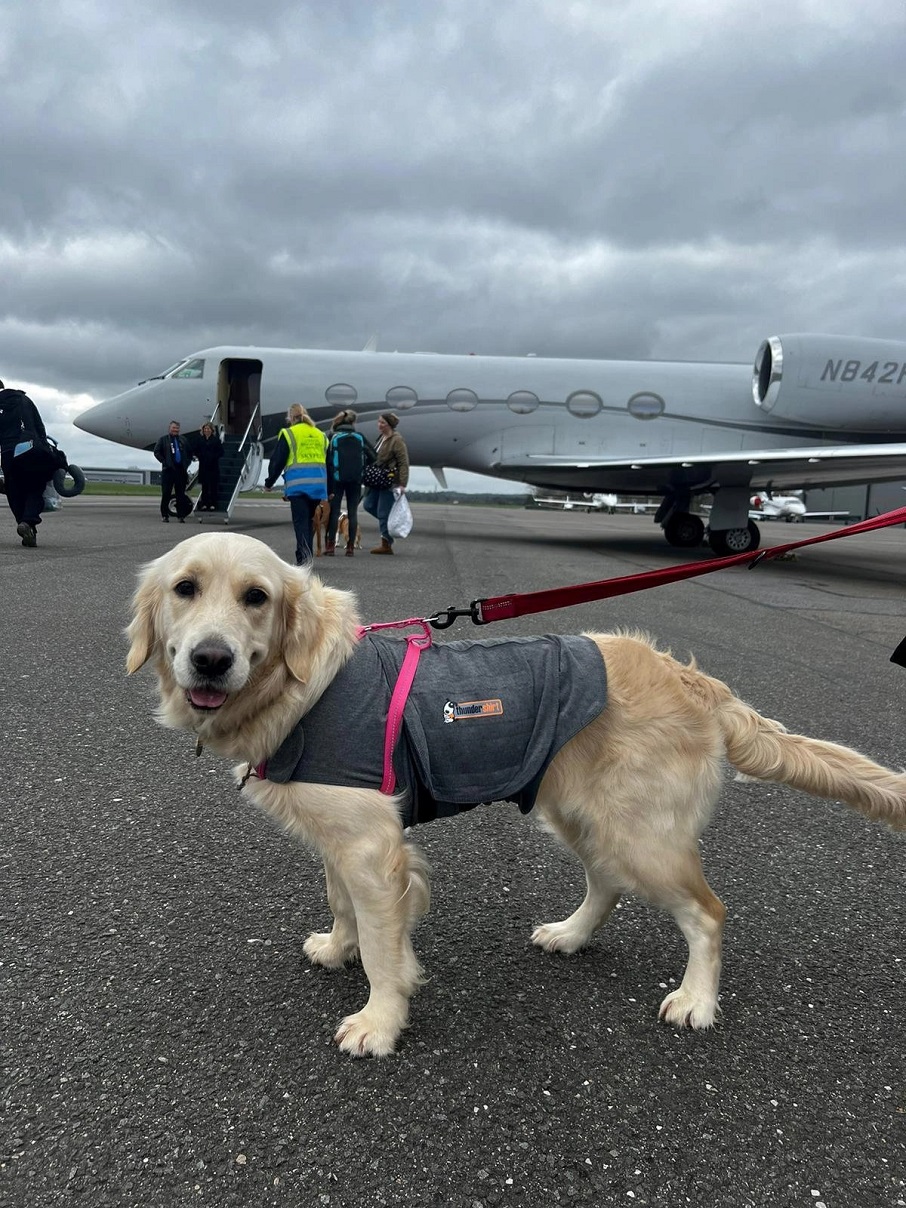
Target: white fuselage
[818,411]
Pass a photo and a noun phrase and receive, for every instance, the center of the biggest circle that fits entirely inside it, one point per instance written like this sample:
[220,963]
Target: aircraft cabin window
[462,400]
[401,398]
[583,404]
[341,394]
[646,405]
[191,369]
[522,402]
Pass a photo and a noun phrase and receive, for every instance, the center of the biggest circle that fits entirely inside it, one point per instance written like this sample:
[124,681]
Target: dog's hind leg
[672,877]
[388,896]
[336,947]
[601,896]
[700,916]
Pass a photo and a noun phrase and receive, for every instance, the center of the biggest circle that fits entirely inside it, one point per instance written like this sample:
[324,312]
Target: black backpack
[347,456]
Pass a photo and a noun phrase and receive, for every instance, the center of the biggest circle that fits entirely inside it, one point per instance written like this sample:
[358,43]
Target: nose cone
[119,419]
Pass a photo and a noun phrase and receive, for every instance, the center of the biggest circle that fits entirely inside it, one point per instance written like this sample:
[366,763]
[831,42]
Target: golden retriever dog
[243,645]
[319,523]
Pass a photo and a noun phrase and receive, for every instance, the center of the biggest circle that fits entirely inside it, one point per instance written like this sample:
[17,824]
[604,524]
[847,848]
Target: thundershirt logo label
[472,708]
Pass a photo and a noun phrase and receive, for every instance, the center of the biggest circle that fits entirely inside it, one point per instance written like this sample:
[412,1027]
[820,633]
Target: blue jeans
[379,504]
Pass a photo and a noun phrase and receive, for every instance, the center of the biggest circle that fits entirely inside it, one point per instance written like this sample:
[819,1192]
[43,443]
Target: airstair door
[239,395]
[237,418]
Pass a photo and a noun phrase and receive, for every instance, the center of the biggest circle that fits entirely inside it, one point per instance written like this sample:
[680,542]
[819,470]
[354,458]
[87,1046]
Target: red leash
[499,608]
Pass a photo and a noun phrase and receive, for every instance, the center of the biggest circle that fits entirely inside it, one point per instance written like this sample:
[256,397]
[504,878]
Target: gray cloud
[624,180]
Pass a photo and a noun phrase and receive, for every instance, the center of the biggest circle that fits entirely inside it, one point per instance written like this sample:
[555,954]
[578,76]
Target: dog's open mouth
[205,698]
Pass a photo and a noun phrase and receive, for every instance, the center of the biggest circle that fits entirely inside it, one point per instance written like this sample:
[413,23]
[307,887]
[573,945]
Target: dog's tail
[763,749]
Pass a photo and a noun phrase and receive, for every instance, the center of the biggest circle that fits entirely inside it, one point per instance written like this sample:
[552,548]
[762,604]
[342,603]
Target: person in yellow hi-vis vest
[300,455]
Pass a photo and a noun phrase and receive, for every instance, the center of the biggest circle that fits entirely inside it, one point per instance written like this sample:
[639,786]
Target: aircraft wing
[762,469]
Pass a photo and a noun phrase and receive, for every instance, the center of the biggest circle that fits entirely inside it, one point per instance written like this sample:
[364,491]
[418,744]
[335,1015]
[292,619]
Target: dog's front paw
[682,1010]
[366,1034]
[558,937]
[323,948]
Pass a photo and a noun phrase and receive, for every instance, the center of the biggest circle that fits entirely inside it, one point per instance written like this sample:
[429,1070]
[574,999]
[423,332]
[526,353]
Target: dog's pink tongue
[205,699]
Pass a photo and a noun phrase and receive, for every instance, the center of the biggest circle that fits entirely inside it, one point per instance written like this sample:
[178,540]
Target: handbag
[377,478]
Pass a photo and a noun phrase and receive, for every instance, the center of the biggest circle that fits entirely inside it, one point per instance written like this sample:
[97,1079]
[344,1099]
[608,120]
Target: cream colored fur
[630,794]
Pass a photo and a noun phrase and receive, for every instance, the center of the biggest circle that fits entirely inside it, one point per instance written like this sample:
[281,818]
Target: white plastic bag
[52,501]
[399,522]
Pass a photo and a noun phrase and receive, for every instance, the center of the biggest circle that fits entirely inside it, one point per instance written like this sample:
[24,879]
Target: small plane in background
[788,507]
[814,411]
[612,503]
[596,502]
[565,504]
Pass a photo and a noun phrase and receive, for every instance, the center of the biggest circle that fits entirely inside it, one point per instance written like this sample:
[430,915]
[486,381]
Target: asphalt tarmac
[164,1041]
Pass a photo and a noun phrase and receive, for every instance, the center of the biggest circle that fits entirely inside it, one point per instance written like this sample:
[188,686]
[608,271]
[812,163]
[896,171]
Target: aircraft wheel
[684,530]
[735,541]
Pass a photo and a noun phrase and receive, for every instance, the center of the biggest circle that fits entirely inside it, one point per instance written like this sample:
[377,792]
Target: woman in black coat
[209,451]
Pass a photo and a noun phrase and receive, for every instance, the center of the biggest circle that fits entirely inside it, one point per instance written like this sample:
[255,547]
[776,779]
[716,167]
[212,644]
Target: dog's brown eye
[185,587]
[255,597]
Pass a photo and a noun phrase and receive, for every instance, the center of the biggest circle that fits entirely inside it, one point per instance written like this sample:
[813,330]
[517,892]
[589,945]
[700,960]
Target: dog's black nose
[212,660]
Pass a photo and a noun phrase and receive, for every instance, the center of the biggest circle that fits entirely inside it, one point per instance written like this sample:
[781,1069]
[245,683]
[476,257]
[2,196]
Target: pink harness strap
[415,644]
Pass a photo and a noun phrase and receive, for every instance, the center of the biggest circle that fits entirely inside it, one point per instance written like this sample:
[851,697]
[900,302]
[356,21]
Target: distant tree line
[473,498]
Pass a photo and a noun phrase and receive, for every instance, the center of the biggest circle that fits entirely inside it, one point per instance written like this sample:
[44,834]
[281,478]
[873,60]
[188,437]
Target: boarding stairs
[240,468]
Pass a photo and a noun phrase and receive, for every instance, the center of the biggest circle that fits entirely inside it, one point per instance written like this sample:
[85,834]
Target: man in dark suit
[174,455]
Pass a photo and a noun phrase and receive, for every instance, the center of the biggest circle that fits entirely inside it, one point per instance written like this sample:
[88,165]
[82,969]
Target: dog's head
[234,633]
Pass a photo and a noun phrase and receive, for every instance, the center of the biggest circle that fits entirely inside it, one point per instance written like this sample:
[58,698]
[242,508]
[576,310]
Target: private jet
[815,411]
[564,503]
[595,502]
[790,508]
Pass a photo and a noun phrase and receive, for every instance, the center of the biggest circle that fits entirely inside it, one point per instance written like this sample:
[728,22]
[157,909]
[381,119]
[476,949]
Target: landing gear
[684,530]
[734,540]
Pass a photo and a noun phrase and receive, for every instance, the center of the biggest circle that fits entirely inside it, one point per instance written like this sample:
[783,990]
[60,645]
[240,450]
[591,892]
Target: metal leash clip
[446,617]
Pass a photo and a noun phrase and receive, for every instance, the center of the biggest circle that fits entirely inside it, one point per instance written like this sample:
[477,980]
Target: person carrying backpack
[28,461]
[348,453]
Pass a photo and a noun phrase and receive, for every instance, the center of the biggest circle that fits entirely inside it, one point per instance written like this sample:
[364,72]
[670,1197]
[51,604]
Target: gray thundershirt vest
[482,723]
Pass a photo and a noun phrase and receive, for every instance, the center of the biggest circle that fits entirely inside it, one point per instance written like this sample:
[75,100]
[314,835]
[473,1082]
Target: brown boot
[349,550]
[384,548]
[329,547]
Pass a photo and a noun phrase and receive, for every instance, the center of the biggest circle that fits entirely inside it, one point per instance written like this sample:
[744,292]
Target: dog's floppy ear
[142,629]
[297,636]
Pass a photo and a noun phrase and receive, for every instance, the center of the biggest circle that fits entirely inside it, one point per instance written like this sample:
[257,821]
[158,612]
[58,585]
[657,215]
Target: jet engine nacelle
[835,381]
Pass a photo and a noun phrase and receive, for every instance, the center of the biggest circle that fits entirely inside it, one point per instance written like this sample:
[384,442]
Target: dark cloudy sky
[565,177]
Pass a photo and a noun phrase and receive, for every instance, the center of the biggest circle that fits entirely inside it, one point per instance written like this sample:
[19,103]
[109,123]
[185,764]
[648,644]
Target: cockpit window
[188,369]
